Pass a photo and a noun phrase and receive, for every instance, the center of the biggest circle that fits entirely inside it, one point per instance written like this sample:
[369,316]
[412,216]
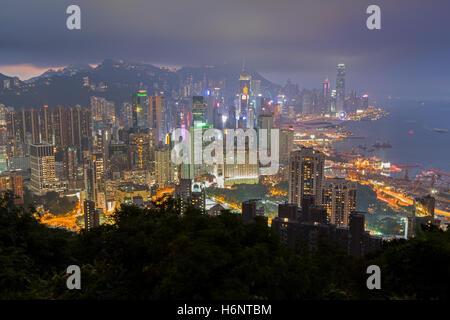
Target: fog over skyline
[300,40]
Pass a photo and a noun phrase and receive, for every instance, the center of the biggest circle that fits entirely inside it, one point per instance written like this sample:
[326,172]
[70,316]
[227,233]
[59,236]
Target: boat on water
[441,130]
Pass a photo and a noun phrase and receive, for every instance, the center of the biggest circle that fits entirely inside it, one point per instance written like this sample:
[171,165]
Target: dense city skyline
[207,150]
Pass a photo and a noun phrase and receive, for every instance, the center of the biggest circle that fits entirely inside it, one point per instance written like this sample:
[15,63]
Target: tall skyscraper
[306,175]
[42,162]
[244,100]
[140,147]
[340,88]
[339,197]
[156,106]
[140,105]
[326,97]
[199,111]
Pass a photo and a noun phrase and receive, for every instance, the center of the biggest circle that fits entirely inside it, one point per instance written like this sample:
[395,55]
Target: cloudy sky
[298,39]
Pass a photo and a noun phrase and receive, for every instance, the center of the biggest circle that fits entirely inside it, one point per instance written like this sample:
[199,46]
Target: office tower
[424,206]
[199,111]
[333,101]
[326,97]
[11,181]
[42,162]
[91,215]
[339,197]
[198,197]
[340,88]
[286,144]
[265,121]
[356,229]
[243,100]
[156,106]
[164,168]
[306,168]
[140,103]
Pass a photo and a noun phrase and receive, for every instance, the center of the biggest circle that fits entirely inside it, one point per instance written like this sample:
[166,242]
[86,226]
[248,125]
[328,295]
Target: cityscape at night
[224,150]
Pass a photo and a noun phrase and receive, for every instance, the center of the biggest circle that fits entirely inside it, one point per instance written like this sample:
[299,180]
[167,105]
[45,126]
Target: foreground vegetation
[160,254]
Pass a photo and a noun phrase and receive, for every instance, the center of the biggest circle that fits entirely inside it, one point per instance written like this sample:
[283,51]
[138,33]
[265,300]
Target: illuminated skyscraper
[155,119]
[326,96]
[339,197]
[140,103]
[340,88]
[199,111]
[164,168]
[42,162]
[140,147]
[244,100]
[306,168]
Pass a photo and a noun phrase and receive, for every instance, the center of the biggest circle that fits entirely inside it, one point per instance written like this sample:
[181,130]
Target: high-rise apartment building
[306,173]
[339,197]
[164,168]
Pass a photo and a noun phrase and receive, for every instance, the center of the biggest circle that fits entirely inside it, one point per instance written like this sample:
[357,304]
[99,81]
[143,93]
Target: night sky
[301,40]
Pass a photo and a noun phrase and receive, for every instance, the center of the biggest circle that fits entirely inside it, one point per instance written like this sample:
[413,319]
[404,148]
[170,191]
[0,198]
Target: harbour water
[410,128]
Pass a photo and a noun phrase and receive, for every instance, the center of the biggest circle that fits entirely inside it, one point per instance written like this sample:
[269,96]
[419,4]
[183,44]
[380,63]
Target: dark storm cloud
[305,39]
